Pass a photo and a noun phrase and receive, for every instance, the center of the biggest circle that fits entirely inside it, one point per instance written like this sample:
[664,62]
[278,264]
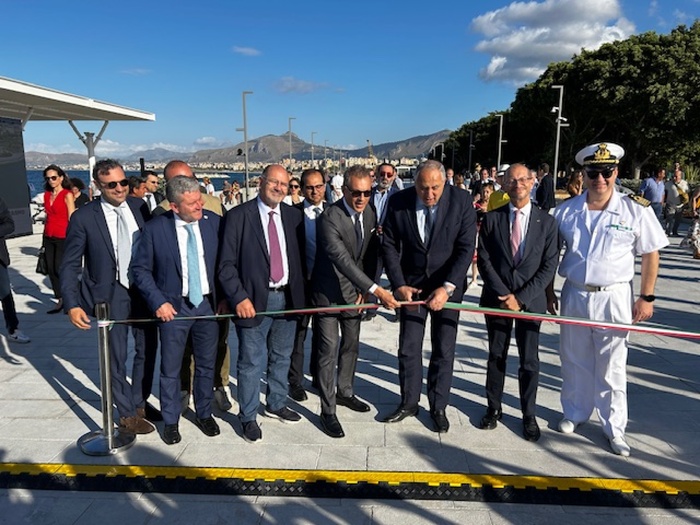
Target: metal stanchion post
[109,440]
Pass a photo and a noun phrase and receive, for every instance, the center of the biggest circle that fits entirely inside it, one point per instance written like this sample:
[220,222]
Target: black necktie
[428,225]
[358,235]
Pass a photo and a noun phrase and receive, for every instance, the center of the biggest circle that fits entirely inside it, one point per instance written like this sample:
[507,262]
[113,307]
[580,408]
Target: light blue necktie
[193,278]
[123,249]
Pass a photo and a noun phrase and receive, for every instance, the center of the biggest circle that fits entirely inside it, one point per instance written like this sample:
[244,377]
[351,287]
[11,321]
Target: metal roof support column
[90,141]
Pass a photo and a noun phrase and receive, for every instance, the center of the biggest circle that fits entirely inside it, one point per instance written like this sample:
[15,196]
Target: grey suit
[341,272]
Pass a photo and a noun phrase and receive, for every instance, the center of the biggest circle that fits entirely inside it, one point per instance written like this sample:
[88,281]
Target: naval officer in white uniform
[602,231]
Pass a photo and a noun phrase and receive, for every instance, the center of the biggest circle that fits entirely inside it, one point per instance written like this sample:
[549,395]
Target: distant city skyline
[382,71]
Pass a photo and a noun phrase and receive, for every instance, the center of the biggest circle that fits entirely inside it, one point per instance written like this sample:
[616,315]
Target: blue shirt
[652,189]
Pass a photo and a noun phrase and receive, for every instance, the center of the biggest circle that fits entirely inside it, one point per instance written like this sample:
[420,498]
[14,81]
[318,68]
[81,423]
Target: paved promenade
[49,397]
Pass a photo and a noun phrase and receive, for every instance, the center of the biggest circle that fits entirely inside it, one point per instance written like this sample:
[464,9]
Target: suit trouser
[145,351]
[594,360]
[122,394]
[443,336]
[527,338]
[222,364]
[8,303]
[173,336]
[337,363]
[267,346]
[296,365]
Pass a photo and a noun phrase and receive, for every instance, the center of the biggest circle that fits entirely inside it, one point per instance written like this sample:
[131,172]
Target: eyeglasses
[606,173]
[387,175]
[523,181]
[51,177]
[294,186]
[318,187]
[356,194]
[114,184]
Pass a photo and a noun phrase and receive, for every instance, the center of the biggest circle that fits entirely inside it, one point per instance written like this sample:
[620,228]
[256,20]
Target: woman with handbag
[59,204]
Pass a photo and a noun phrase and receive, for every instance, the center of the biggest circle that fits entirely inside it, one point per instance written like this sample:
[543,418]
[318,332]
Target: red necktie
[276,268]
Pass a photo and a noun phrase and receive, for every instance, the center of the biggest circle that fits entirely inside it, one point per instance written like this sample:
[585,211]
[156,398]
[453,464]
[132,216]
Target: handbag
[42,266]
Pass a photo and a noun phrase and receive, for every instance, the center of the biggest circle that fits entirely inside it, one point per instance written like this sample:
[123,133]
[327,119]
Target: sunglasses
[51,177]
[114,184]
[388,175]
[294,186]
[318,187]
[356,194]
[606,173]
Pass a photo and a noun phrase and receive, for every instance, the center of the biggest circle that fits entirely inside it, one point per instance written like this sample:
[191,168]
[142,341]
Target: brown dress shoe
[136,425]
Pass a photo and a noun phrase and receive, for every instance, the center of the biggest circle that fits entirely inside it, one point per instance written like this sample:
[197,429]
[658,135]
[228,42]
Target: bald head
[176,168]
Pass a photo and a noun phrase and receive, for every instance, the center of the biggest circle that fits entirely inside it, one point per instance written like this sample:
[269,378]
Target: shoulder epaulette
[640,200]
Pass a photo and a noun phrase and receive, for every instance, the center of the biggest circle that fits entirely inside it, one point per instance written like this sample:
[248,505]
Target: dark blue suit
[244,273]
[88,237]
[409,261]
[528,281]
[157,272]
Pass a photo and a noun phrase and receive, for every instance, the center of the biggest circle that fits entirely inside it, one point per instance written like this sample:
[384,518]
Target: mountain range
[265,149]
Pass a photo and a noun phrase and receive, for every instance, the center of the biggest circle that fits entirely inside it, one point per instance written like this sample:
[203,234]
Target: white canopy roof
[25,101]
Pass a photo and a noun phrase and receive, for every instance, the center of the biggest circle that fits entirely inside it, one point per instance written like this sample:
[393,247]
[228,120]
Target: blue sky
[350,71]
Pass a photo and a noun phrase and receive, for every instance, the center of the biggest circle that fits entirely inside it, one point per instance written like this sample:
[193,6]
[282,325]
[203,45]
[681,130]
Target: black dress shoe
[331,426]
[208,425]
[400,414]
[442,424]
[369,315]
[491,419]
[352,403]
[297,393]
[152,413]
[531,431]
[171,434]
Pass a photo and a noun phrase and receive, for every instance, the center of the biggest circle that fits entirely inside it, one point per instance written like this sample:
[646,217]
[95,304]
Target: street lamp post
[471,147]
[561,123]
[244,129]
[312,149]
[325,152]
[500,139]
[290,142]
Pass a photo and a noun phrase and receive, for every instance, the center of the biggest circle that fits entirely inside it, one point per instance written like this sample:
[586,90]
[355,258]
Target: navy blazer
[408,261]
[156,266]
[88,237]
[544,194]
[531,276]
[244,263]
[339,273]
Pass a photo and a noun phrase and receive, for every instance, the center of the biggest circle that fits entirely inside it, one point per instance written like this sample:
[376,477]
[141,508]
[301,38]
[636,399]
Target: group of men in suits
[265,258]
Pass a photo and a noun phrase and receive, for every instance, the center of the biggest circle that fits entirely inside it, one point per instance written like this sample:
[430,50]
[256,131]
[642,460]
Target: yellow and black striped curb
[354,484]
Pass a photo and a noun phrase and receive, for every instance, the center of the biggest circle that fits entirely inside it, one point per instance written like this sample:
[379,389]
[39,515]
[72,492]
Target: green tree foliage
[642,93]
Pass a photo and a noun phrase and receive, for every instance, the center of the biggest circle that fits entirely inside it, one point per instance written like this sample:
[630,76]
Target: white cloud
[246,51]
[136,71]
[653,7]
[211,142]
[681,17]
[295,85]
[108,147]
[523,38]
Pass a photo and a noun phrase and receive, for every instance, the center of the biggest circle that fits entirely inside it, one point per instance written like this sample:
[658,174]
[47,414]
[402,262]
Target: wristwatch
[648,298]
[449,289]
